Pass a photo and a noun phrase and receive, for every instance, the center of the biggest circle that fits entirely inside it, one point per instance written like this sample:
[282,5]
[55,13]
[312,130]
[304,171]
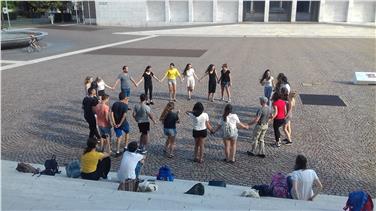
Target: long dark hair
[90,145]
[300,162]
[226,112]
[186,69]
[147,68]
[265,76]
[198,108]
[169,107]
[210,67]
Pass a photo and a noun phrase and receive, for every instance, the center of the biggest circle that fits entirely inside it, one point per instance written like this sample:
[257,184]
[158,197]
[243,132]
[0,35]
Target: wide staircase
[22,191]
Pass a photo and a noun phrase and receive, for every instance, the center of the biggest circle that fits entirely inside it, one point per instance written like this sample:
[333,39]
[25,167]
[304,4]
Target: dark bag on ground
[165,174]
[217,183]
[264,190]
[26,168]
[51,167]
[129,185]
[73,169]
[197,189]
[359,201]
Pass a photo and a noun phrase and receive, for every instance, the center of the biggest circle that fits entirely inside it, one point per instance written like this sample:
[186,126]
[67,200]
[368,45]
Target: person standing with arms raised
[172,73]
[125,81]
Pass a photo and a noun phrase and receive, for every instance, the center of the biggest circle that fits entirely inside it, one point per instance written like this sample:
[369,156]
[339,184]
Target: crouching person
[130,167]
[95,164]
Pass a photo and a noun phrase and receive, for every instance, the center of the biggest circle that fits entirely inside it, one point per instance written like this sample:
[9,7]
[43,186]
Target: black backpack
[51,166]
[197,189]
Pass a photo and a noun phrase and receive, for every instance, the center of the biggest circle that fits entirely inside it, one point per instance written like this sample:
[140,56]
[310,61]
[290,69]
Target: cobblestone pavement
[42,115]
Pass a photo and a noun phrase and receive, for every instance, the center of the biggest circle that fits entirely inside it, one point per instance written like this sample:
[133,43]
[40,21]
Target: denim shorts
[225,84]
[105,131]
[171,82]
[127,91]
[124,128]
[169,131]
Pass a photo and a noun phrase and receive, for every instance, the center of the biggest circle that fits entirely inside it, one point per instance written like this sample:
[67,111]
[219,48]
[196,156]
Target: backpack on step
[51,167]
[73,169]
[279,185]
[359,201]
[27,168]
[165,174]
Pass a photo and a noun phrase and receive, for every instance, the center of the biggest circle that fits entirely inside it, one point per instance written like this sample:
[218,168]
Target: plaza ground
[42,115]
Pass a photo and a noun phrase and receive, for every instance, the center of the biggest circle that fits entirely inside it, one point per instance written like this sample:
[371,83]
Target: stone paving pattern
[42,115]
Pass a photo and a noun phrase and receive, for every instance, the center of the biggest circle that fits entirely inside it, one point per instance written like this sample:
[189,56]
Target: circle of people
[276,105]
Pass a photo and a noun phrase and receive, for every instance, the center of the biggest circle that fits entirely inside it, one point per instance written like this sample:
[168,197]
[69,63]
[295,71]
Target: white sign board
[364,78]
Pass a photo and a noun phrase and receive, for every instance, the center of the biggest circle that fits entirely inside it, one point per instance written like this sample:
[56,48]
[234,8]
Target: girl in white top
[190,74]
[302,180]
[200,125]
[267,81]
[101,87]
[229,123]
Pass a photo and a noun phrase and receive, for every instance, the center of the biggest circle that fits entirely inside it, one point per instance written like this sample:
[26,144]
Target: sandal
[170,156]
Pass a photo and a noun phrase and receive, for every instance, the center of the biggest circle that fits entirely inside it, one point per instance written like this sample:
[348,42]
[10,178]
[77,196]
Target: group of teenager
[276,105]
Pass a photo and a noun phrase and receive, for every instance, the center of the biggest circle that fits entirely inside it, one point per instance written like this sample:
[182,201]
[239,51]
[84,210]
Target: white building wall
[227,11]
[183,12]
[179,11]
[156,11]
[363,12]
[118,13]
[335,11]
[202,11]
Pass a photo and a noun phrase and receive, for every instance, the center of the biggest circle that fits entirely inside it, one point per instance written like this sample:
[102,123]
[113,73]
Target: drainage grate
[149,52]
[329,100]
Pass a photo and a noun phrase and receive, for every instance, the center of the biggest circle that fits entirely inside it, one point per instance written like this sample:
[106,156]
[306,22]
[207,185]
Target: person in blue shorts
[125,81]
[119,121]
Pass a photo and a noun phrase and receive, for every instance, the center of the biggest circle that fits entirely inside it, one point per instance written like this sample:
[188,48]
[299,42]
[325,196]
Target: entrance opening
[280,10]
[253,11]
[307,11]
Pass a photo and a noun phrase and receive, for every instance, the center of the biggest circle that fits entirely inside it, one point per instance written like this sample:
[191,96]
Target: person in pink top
[103,120]
[279,116]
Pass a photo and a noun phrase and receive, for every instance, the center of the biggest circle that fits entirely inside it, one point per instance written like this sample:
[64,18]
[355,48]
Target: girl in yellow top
[172,73]
[95,164]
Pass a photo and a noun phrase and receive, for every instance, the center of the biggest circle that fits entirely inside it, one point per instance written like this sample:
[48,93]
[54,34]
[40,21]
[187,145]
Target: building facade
[185,12]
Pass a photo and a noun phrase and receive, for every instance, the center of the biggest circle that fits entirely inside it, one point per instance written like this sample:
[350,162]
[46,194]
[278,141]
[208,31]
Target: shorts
[144,127]
[126,91]
[200,133]
[171,82]
[101,92]
[105,132]
[225,84]
[124,128]
[191,82]
[170,131]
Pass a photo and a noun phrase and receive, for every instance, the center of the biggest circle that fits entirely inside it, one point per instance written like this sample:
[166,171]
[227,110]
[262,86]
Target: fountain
[18,38]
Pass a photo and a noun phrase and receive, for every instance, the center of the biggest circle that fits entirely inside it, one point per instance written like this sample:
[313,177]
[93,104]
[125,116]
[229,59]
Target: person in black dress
[148,84]
[213,78]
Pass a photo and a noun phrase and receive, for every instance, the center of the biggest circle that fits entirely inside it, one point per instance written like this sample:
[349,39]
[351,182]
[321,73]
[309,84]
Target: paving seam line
[34,61]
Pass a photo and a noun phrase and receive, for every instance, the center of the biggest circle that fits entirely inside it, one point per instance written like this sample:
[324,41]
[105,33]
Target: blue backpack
[359,201]
[73,169]
[165,174]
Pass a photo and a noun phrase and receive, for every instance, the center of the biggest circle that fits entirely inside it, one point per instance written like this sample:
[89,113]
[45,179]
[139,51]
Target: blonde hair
[88,80]
[169,107]
[291,98]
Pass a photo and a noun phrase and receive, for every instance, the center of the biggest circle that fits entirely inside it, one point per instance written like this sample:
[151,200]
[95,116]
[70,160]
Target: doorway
[307,11]
[280,10]
[253,11]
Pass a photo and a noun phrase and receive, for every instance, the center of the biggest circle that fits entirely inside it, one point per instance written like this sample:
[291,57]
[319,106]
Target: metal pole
[88,7]
[6,5]
[75,8]
[83,15]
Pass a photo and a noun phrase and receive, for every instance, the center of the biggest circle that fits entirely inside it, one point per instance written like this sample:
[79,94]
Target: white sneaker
[229,100]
